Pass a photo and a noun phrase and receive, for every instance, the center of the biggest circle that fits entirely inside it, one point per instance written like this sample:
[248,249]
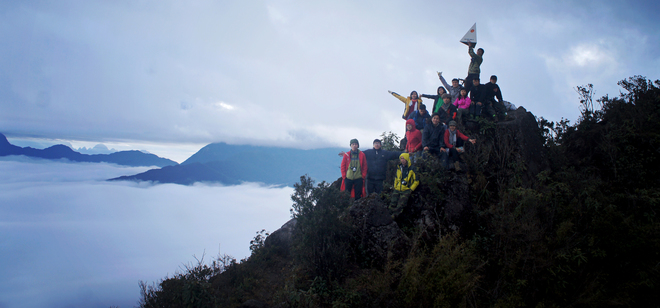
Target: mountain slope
[233,164]
[126,158]
[539,214]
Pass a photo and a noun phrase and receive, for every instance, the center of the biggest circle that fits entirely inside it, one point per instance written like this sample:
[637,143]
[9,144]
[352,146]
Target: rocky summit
[537,214]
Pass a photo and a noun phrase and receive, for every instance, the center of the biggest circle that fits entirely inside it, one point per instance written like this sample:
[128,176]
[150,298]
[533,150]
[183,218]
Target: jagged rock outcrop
[457,200]
[524,131]
[380,236]
[282,237]
[443,202]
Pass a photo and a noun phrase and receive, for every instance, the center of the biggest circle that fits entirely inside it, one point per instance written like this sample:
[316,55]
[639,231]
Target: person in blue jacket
[421,117]
[377,159]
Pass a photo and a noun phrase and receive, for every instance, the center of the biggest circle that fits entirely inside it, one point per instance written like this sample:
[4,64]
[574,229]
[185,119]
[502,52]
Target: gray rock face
[528,143]
[515,142]
[282,237]
[457,200]
[380,236]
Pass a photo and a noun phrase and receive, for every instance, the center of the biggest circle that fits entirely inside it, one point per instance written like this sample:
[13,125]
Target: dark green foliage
[258,242]
[446,276]
[389,141]
[322,241]
[192,288]
[571,223]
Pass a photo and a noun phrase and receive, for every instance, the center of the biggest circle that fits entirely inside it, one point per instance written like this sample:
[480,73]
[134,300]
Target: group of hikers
[439,137]
[470,101]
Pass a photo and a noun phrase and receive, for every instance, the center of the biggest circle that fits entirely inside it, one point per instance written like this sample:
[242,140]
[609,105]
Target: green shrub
[446,276]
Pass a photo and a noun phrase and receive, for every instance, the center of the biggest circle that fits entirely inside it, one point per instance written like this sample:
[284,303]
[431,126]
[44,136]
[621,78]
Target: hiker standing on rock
[492,91]
[454,89]
[475,65]
[377,159]
[354,171]
[410,101]
[404,184]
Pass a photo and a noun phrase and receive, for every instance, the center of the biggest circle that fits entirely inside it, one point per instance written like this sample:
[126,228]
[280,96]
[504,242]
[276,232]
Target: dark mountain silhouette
[126,158]
[233,164]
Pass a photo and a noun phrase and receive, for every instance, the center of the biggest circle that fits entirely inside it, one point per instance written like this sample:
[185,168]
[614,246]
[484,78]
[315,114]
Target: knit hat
[376,140]
[355,141]
[452,122]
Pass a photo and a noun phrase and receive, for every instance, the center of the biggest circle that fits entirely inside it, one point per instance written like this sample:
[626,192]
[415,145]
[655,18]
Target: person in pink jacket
[463,104]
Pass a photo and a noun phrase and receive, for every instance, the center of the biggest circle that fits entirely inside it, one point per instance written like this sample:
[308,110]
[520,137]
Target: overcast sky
[160,75]
[70,239]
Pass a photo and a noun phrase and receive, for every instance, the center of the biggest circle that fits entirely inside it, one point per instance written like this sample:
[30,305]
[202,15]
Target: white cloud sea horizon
[71,239]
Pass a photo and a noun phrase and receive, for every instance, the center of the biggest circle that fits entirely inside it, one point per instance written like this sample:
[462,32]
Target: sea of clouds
[68,238]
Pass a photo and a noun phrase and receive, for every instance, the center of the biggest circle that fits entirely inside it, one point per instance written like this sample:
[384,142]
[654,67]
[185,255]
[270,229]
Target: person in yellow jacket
[404,184]
[410,101]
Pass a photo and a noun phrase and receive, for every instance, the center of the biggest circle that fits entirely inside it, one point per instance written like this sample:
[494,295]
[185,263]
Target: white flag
[470,36]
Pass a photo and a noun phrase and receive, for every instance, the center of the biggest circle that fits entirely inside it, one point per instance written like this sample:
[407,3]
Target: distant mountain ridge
[233,164]
[97,149]
[126,158]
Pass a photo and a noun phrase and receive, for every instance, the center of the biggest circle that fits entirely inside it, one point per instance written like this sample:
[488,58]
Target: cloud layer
[304,75]
[71,239]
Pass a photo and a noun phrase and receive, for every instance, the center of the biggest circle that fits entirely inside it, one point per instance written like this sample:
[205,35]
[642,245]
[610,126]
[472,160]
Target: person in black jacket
[492,91]
[433,139]
[448,111]
[477,95]
[377,159]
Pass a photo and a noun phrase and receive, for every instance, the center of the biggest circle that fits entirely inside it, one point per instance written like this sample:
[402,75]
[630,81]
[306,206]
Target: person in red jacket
[454,140]
[413,137]
[354,171]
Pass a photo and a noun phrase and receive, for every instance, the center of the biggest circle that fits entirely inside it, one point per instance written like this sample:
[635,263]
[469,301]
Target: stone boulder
[525,129]
[282,238]
[380,237]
